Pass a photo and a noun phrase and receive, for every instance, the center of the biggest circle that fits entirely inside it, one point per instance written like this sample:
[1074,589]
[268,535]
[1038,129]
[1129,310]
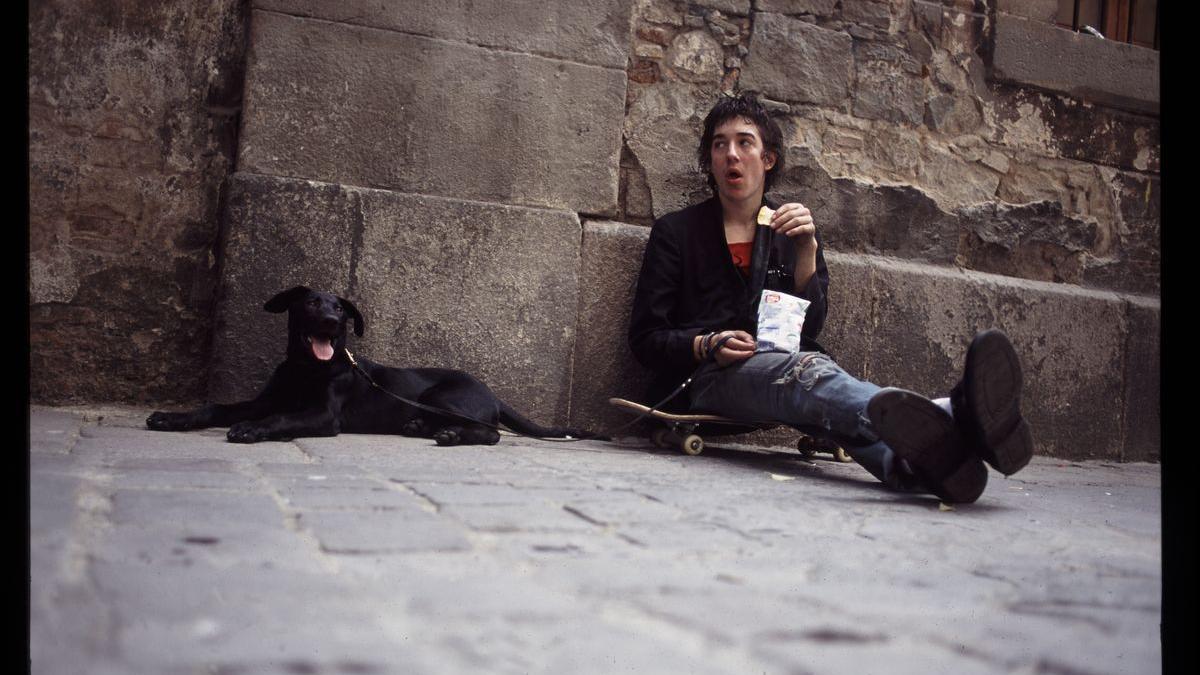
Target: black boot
[925,436]
[987,404]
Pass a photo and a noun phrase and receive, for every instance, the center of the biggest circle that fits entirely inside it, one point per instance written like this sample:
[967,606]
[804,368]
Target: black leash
[709,355]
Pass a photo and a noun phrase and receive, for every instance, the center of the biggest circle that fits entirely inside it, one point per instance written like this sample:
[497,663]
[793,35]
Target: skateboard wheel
[659,437]
[839,453]
[693,445]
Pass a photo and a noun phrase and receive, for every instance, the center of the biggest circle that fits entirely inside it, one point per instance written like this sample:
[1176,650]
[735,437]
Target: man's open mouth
[733,175]
[321,345]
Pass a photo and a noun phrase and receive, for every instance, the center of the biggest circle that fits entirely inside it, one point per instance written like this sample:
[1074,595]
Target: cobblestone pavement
[180,553]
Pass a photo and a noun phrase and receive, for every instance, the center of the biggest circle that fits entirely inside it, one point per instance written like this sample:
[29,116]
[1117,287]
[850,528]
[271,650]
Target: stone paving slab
[180,553]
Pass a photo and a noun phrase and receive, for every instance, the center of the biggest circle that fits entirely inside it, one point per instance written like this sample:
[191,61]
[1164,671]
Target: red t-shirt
[741,253]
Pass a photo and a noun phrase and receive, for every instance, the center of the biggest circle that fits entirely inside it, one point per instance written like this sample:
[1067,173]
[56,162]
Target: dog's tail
[523,425]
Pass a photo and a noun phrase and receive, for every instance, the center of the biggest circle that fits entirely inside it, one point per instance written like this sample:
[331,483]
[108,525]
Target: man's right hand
[739,347]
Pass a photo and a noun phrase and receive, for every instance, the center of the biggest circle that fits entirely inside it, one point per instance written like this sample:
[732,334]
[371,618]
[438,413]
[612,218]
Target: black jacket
[688,285]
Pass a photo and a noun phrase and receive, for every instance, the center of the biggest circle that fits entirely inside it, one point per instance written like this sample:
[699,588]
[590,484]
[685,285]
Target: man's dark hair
[744,105]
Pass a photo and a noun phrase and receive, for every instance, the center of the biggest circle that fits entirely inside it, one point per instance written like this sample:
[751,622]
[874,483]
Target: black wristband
[717,347]
[706,346]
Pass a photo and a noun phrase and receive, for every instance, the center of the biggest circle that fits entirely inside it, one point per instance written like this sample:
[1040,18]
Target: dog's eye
[337,308]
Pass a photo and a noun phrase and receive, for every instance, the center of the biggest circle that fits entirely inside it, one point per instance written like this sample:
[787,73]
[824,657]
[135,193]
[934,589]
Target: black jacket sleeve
[654,338]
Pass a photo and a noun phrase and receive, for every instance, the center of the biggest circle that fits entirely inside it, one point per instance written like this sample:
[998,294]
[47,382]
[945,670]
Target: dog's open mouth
[322,347]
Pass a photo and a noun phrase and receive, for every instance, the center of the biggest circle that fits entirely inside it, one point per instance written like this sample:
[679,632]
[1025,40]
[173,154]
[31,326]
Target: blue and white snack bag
[780,320]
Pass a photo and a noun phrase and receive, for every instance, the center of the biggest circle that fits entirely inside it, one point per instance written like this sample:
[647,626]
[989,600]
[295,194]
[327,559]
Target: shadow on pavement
[794,464]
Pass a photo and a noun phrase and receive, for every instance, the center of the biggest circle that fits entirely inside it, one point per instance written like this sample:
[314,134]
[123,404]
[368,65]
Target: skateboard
[680,430]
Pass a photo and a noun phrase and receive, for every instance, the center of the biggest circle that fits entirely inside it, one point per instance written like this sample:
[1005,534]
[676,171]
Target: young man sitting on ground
[696,309]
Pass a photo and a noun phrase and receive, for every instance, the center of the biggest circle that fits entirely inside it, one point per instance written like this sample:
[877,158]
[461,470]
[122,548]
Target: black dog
[320,391]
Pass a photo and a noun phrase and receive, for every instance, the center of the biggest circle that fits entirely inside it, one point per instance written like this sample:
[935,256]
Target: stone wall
[478,177]
[133,111]
[430,162]
[901,136]
[907,139]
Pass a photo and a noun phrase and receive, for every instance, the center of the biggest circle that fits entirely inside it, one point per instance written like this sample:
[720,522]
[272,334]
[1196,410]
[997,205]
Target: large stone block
[857,216]
[603,364]
[132,126]
[484,288]
[1143,384]
[1077,64]
[792,60]
[1071,343]
[847,335]
[591,32]
[888,85]
[376,108]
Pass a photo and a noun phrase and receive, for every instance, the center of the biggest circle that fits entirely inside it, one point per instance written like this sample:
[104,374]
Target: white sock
[945,405]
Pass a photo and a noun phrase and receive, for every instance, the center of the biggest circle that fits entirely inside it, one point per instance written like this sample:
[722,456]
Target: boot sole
[925,436]
[994,395]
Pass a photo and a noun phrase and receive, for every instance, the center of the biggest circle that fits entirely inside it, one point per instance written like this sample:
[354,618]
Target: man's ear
[769,159]
[284,299]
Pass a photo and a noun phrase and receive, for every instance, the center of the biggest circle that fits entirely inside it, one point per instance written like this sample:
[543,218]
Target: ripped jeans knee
[809,369]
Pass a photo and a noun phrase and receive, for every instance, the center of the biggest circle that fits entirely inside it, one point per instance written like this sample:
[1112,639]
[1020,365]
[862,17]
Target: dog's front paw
[415,427]
[247,432]
[167,421]
[447,436]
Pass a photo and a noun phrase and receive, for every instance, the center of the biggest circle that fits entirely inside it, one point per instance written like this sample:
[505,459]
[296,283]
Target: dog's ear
[353,312]
[284,299]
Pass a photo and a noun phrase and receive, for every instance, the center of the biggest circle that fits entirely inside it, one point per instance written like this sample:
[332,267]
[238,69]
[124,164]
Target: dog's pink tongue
[322,349]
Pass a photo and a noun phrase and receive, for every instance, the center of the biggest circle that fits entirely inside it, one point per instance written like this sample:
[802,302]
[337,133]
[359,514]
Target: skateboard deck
[680,430]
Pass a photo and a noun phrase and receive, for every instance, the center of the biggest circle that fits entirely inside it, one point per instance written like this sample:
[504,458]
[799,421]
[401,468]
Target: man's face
[739,162]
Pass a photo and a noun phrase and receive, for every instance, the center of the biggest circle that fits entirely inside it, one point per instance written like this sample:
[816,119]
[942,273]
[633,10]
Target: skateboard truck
[809,447]
[679,434]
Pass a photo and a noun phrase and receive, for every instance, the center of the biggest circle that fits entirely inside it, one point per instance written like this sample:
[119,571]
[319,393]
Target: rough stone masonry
[187,160]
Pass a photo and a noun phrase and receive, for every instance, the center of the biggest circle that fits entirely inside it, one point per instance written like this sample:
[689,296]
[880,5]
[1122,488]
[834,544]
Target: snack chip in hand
[764,215]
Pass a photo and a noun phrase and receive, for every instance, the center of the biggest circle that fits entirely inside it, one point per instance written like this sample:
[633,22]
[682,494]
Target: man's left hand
[795,220]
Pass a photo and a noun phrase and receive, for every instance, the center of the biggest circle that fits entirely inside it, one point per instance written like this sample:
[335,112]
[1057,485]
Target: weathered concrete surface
[1142,414]
[818,8]
[132,119]
[1048,57]
[485,288]
[1037,240]
[181,553]
[662,130]
[1090,358]
[376,108]
[593,32]
[888,84]
[1071,343]
[792,60]
[1045,124]
[1040,10]
[603,365]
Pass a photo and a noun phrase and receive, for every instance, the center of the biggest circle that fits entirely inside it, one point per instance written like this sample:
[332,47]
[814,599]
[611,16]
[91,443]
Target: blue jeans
[806,391]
